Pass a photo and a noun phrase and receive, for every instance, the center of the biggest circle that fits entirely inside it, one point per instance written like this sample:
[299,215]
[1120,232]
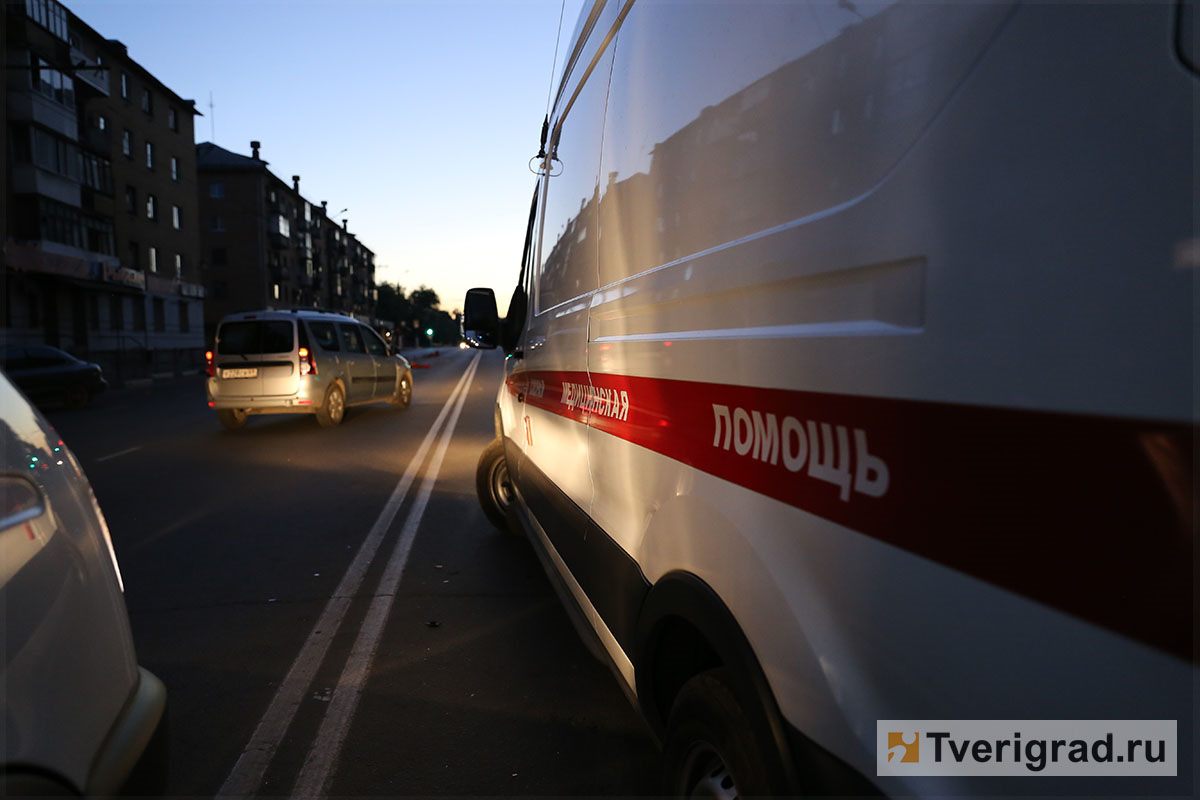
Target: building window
[153,261]
[151,207]
[172,119]
[101,122]
[127,143]
[160,315]
[147,101]
[125,85]
[116,312]
[50,152]
[135,256]
[185,324]
[131,199]
[277,291]
[55,85]
[178,265]
[50,15]
[176,217]
[175,169]
[149,155]
[139,313]
[97,173]
[218,224]
[216,190]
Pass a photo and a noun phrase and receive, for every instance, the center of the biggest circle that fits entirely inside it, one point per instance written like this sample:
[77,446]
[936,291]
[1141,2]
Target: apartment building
[263,245]
[101,234]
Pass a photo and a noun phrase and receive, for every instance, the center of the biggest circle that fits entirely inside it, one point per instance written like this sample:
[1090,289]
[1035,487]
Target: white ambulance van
[850,385]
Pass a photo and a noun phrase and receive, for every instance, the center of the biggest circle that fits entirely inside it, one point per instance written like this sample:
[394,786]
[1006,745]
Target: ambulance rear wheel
[710,749]
[493,485]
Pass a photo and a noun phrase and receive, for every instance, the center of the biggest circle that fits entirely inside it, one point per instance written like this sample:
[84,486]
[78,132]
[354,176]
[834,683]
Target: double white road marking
[247,774]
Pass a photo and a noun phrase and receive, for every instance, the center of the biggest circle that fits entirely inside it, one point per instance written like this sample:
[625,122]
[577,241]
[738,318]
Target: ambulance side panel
[891,350]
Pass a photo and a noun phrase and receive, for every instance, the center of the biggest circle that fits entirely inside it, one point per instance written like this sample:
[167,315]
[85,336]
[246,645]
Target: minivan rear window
[255,336]
[325,335]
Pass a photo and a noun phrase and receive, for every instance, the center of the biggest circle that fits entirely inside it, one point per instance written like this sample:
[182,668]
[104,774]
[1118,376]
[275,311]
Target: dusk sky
[417,116]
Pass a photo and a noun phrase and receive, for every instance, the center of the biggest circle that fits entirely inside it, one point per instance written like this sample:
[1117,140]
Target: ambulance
[850,386]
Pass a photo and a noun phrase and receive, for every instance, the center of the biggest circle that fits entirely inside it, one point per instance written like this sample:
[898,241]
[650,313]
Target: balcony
[28,179]
[89,73]
[30,106]
[278,241]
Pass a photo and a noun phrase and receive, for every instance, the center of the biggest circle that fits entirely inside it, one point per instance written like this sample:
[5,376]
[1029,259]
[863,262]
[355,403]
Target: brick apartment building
[263,245]
[101,234]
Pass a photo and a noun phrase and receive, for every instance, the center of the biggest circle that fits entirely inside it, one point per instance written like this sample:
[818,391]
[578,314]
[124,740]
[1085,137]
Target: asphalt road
[331,618]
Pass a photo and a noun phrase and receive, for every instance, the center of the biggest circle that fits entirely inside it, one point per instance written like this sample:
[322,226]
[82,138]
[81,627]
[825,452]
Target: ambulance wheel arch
[685,631]
[688,646]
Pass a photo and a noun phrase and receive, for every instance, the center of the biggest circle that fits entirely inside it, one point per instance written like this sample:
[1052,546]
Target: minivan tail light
[208,365]
[307,367]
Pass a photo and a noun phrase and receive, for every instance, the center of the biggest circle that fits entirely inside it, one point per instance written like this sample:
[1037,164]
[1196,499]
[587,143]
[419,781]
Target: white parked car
[80,715]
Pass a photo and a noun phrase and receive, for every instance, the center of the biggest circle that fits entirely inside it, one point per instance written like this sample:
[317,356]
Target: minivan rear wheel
[233,419]
[493,485]
[333,409]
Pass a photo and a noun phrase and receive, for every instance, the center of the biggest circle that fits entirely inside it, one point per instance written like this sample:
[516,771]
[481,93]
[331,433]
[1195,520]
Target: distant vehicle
[80,716]
[301,362]
[850,379]
[47,374]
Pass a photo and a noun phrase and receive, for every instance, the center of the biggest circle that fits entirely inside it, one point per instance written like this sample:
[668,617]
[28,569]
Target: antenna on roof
[212,118]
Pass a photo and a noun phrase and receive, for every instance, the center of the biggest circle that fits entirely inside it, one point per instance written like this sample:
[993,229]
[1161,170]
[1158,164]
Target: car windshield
[255,336]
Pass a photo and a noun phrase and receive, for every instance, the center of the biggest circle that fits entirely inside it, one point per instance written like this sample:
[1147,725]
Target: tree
[392,305]
[424,299]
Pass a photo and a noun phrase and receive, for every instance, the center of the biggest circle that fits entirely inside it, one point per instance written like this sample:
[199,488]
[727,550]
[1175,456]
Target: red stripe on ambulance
[1089,515]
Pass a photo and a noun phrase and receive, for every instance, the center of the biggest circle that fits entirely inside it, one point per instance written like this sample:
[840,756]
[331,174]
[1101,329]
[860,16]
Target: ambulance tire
[494,486]
[710,748]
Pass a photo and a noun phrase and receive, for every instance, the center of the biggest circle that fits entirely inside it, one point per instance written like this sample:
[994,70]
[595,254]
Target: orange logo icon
[905,745]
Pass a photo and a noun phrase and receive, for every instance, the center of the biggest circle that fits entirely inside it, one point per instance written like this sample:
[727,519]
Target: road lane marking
[118,454]
[247,774]
[327,747]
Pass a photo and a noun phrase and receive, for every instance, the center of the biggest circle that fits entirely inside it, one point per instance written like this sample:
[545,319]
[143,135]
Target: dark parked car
[47,374]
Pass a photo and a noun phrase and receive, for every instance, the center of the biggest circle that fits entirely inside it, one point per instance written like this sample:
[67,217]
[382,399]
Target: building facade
[263,245]
[100,234]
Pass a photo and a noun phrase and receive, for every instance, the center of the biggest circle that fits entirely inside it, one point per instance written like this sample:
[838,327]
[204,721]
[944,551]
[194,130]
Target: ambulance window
[570,224]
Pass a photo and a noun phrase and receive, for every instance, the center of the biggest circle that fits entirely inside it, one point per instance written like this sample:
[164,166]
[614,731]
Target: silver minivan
[301,362]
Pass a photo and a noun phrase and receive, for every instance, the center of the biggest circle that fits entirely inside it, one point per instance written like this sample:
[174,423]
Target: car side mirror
[480,319]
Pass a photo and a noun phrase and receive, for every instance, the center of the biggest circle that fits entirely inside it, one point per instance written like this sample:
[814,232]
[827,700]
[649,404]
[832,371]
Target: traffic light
[429,331]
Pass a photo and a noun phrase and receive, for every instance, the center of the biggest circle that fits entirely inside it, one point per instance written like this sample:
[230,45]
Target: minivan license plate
[244,372]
